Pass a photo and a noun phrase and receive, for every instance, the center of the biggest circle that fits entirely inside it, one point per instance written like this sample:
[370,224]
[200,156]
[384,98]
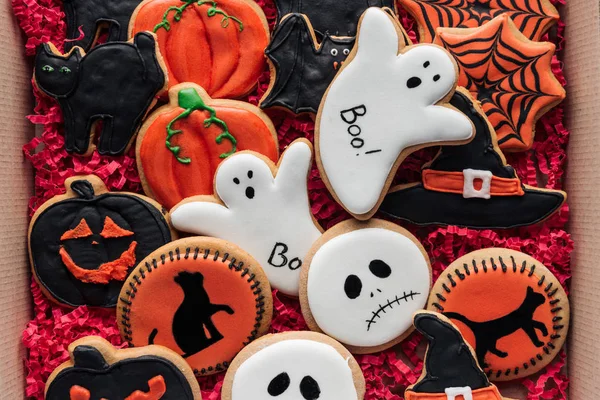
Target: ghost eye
[236,181]
[279,384]
[47,68]
[352,286]
[346,52]
[65,70]
[250,174]
[309,388]
[334,52]
[380,269]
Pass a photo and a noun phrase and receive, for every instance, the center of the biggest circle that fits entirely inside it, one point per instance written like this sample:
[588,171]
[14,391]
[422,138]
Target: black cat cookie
[450,368]
[106,92]
[83,244]
[97,370]
[508,306]
[302,67]
[202,297]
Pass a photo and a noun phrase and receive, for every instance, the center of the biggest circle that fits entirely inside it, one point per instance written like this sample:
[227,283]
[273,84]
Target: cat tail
[147,48]
[459,317]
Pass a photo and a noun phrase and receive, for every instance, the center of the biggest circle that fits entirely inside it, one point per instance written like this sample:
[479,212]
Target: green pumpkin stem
[212,11]
[190,101]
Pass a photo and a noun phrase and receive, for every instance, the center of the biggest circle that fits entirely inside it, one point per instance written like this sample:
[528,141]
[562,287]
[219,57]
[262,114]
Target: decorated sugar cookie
[388,100]
[301,66]
[97,370]
[509,74]
[532,17]
[181,144]
[450,370]
[218,45]
[472,185]
[83,244]
[261,207]
[116,84]
[508,306]
[361,283]
[294,366]
[202,297]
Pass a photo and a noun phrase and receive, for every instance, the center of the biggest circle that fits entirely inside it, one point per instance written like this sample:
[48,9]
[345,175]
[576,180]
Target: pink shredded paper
[53,328]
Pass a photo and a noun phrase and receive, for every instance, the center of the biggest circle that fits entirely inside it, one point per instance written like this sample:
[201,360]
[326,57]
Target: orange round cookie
[204,298]
[508,306]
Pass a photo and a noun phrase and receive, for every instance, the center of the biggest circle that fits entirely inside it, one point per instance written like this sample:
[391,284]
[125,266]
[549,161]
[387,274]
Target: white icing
[453,392]
[298,358]
[275,226]
[469,190]
[346,319]
[370,116]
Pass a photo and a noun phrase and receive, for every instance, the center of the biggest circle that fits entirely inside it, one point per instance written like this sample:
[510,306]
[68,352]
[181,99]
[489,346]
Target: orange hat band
[471,183]
[488,393]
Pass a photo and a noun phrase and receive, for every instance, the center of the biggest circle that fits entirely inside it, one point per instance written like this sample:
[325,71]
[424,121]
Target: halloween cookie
[97,370]
[532,17]
[509,74]
[218,45]
[301,66]
[362,281]
[508,306]
[450,370]
[202,297]
[294,366]
[115,84]
[388,100]
[471,185]
[181,144]
[83,244]
[263,208]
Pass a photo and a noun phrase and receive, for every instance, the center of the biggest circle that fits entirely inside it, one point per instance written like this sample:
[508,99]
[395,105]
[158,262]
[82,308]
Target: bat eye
[346,52]
[334,52]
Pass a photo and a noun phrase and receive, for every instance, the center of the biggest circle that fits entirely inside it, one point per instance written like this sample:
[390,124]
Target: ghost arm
[445,124]
[292,174]
[203,218]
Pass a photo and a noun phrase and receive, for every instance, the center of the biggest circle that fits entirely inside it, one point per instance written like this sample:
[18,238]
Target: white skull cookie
[362,282]
[294,366]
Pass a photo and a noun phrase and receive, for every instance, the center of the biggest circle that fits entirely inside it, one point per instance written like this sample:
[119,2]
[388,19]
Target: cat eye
[334,52]
[346,52]
[65,70]
[47,68]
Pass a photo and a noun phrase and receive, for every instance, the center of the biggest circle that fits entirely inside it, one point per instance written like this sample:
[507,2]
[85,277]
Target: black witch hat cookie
[83,244]
[97,370]
[471,185]
[450,369]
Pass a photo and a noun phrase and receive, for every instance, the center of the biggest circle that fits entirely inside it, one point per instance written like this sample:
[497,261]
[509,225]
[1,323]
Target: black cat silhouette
[193,318]
[115,83]
[91,15]
[489,332]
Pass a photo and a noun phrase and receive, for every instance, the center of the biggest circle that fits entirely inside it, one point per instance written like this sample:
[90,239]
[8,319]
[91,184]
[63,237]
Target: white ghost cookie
[294,366]
[388,100]
[262,208]
[362,282]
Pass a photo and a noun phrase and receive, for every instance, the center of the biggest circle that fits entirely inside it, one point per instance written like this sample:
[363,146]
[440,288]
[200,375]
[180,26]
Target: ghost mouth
[389,304]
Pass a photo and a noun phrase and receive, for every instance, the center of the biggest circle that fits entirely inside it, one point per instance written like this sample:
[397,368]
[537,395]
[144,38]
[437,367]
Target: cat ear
[377,36]
[76,53]
[529,289]
[47,48]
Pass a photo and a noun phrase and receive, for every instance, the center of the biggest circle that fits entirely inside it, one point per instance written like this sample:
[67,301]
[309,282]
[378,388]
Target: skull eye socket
[279,384]
[82,230]
[380,268]
[352,286]
[112,230]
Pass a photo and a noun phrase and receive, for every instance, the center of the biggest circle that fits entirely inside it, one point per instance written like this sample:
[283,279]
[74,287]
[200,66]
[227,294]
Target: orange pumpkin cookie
[182,143]
[509,74]
[218,45]
[508,306]
[202,297]
[532,17]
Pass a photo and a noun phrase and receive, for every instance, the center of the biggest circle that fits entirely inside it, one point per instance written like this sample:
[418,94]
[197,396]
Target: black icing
[380,268]
[130,212]
[303,70]
[449,362]
[279,384]
[114,83]
[309,388]
[119,380]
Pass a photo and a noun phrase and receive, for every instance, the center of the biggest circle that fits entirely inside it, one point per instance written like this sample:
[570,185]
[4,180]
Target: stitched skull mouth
[389,304]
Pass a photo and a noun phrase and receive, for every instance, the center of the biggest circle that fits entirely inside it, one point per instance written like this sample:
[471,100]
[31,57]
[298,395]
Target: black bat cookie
[334,17]
[115,83]
[92,16]
[303,68]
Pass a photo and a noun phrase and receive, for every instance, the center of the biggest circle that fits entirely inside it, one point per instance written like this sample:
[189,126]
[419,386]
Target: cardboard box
[582,57]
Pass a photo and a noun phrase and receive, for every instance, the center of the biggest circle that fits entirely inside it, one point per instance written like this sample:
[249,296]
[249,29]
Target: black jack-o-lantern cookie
[508,306]
[83,244]
[97,371]
[361,283]
[202,297]
[294,366]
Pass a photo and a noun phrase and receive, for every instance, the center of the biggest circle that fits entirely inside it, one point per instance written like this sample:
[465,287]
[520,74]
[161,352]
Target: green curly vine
[212,11]
[190,101]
